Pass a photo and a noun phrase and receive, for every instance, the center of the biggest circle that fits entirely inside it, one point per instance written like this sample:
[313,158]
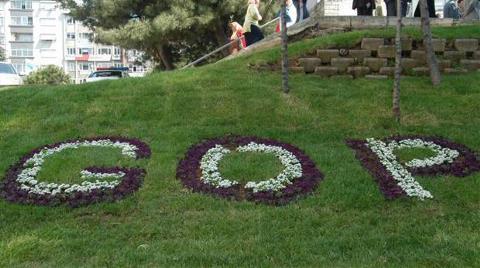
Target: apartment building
[35,33]
[2,26]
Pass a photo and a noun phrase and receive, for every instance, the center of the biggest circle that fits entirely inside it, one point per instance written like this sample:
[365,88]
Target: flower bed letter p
[396,179]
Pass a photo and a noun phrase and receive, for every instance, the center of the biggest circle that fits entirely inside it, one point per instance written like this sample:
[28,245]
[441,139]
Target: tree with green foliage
[48,75]
[165,30]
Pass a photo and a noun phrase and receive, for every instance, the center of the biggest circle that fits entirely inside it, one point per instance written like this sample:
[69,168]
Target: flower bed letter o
[199,171]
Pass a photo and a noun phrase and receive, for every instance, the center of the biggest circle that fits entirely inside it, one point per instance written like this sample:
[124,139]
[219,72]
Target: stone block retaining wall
[375,58]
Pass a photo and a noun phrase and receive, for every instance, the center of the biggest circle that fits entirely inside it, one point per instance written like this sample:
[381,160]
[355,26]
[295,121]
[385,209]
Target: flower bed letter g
[21,184]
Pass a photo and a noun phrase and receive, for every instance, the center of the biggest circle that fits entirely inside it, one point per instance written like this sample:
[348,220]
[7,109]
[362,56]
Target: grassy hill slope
[346,222]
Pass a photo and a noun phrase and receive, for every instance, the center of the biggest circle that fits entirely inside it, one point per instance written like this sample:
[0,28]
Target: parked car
[8,75]
[110,74]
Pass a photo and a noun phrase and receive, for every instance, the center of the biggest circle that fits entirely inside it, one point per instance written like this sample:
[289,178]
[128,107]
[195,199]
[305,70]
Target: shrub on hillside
[2,54]
[48,75]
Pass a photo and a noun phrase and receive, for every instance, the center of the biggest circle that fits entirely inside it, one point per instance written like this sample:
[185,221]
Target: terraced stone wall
[375,58]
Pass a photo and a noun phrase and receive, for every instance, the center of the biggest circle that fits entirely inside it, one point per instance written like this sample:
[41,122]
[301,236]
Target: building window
[88,36]
[71,66]
[71,36]
[70,21]
[21,4]
[84,66]
[22,52]
[104,65]
[85,51]
[104,51]
[22,37]
[70,51]
[22,20]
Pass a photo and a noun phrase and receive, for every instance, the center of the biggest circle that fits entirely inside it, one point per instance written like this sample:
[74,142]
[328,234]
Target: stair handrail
[223,47]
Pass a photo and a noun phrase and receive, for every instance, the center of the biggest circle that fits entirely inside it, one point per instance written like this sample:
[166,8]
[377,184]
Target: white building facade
[36,33]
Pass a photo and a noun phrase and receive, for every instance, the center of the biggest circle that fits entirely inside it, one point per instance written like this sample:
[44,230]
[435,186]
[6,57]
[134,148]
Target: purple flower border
[466,164]
[188,171]
[10,189]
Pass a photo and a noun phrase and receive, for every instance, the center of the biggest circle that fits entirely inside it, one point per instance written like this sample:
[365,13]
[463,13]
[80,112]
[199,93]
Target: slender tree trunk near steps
[427,42]
[163,54]
[221,36]
[283,27]
[398,64]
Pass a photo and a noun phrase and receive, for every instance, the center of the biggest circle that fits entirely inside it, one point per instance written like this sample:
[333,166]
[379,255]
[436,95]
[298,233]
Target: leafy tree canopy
[160,28]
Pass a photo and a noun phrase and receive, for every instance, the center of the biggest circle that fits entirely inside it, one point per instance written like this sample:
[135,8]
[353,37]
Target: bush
[48,75]
[2,54]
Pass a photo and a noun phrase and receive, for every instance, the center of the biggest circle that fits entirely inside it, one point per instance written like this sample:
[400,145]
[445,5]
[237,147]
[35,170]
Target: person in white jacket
[292,13]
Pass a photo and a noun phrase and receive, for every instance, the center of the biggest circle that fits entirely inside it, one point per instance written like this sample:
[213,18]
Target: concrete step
[342,63]
[326,71]
[375,64]
[327,54]
[309,64]
[466,45]
[470,65]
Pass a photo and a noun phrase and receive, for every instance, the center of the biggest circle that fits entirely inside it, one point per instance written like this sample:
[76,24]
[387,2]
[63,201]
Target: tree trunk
[398,66]
[221,37]
[427,42]
[283,22]
[166,57]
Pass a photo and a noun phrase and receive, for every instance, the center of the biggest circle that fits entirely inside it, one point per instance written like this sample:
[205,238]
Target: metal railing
[219,49]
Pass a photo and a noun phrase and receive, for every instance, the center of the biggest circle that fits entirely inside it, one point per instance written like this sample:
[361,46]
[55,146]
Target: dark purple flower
[10,189]
[188,171]
[465,164]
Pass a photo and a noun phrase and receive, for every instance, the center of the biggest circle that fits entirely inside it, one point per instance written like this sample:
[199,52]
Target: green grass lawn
[346,222]
[248,166]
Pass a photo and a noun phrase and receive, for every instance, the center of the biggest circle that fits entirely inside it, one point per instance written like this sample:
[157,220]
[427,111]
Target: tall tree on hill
[158,27]
[427,42]
[398,64]
[284,36]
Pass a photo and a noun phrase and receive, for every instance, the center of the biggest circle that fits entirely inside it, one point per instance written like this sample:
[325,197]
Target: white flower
[28,181]
[404,178]
[211,175]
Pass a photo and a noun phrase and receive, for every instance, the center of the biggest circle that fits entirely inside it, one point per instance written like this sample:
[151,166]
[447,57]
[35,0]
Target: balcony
[22,5]
[21,53]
